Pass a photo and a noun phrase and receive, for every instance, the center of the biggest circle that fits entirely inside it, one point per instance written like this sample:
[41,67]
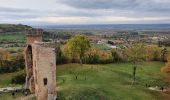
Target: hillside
[102,82]
[108,82]
[12,28]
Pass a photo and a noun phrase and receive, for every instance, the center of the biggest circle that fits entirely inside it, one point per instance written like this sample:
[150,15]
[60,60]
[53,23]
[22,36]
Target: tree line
[78,50]
[11,61]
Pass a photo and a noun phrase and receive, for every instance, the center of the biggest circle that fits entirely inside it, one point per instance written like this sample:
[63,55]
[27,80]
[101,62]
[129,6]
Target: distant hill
[12,28]
[165,27]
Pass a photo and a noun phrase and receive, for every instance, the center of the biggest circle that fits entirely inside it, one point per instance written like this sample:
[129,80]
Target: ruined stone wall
[31,39]
[40,62]
[29,69]
[44,68]
[33,35]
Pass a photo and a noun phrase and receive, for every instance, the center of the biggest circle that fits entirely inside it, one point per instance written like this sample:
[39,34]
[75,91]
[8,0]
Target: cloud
[13,10]
[99,20]
[98,4]
[117,4]
[85,11]
[135,7]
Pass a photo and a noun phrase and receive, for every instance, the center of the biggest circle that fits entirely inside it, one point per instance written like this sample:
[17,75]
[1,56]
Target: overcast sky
[84,11]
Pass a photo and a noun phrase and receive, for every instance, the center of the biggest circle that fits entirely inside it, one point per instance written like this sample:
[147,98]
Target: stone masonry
[40,66]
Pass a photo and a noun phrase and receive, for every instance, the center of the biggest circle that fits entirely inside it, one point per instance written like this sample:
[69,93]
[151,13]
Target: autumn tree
[78,44]
[167,67]
[60,57]
[136,54]
[92,56]
[153,52]
[1,57]
[115,55]
[164,54]
[105,56]
[19,61]
[4,56]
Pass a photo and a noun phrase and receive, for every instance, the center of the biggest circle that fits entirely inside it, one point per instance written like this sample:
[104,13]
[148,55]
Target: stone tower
[33,35]
[40,66]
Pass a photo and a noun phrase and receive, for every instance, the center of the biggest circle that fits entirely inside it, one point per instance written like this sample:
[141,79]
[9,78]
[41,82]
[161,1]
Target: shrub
[94,56]
[91,56]
[60,57]
[19,79]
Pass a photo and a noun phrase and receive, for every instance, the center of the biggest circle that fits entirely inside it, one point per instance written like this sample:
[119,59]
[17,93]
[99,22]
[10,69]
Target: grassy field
[5,79]
[8,96]
[108,82]
[100,46]
[12,37]
[103,82]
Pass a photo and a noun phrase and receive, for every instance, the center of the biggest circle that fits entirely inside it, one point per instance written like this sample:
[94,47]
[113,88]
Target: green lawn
[100,46]
[5,79]
[108,82]
[102,82]
[12,37]
[8,96]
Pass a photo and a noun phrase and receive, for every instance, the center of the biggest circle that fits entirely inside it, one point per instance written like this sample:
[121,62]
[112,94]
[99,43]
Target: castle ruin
[40,66]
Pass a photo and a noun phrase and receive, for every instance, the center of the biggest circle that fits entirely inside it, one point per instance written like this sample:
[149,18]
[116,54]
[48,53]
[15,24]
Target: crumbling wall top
[45,44]
[34,32]
[33,35]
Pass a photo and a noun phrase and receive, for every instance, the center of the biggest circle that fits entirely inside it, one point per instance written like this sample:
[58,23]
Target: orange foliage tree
[167,67]
[4,56]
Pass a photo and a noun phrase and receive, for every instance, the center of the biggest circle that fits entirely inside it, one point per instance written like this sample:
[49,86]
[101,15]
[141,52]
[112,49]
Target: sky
[66,12]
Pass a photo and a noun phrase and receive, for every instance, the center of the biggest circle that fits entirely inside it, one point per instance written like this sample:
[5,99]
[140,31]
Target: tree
[136,54]
[115,55]
[1,57]
[166,69]
[60,58]
[164,53]
[78,44]
[153,52]
[4,56]
[92,56]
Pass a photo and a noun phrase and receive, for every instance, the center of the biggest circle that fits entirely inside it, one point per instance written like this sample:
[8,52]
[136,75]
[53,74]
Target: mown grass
[108,82]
